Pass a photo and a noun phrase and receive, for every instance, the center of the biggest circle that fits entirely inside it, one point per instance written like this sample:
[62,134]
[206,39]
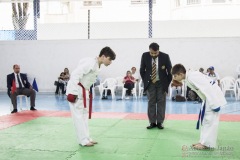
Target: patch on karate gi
[163,67]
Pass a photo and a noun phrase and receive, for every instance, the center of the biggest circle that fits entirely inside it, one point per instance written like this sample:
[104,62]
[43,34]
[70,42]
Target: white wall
[196,28]
[46,59]
[161,29]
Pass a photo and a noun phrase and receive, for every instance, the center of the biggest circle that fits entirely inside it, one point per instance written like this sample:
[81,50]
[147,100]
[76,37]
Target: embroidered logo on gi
[163,67]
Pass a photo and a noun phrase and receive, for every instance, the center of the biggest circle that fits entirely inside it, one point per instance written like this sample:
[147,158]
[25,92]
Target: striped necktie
[154,71]
[19,82]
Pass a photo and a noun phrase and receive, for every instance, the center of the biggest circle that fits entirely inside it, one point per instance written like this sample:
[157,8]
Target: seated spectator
[192,96]
[61,83]
[208,70]
[176,89]
[201,70]
[67,74]
[135,74]
[213,75]
[129,81]
[17,84]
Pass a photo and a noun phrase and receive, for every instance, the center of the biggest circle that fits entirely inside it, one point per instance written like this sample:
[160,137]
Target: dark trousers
[23,91]
[60,85]
[156,102]
[129,87]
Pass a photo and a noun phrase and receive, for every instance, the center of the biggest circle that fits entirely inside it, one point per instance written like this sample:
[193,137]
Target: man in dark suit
[22,85]
[155,71]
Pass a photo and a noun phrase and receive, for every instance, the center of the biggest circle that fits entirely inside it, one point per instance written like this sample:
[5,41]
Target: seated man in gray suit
[23,87]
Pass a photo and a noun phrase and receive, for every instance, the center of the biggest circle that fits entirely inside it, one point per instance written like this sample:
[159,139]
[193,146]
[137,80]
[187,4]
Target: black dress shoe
[14,111]
[104,97]
[33,109]
[152,125]
[160,125]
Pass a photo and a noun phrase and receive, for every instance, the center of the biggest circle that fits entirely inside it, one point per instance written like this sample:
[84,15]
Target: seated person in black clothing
[62,82]
[17,84]
[129,81]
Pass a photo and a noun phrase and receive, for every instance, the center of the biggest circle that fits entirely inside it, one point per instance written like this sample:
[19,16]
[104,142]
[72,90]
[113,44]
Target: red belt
[85,100]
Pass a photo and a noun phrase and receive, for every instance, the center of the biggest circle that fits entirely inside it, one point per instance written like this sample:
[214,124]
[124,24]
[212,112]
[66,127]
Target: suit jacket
[164,70]
[10,79]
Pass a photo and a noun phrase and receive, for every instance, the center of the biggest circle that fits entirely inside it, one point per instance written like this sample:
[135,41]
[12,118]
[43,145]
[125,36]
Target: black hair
[128,72]
[178,68]
[108,52]
[154,46]
[15,65]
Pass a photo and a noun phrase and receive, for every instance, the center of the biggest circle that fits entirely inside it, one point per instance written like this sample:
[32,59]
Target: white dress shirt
[16,80]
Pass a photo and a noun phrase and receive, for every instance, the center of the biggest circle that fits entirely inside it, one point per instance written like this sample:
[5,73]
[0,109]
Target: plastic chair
[228,84]
[238,71]
[140,89]
[134,91]
[20,97]
[108,84]
[119,84]
[237,85]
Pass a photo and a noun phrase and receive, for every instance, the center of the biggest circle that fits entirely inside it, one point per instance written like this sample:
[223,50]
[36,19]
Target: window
[177,3]
[136,2]
[190,2]
[218,1]
[58,7]
[92,3]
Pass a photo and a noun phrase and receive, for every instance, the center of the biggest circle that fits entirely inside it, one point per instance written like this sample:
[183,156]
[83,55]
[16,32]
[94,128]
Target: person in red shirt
[129,81]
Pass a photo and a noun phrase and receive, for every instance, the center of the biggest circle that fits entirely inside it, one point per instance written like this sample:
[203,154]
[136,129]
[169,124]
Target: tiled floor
[50,101]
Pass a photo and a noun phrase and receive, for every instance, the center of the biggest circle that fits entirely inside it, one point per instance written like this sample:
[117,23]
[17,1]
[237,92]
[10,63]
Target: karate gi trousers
[80,120]
[209,128]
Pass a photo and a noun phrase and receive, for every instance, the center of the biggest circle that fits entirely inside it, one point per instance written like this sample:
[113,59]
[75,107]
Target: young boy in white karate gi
[78,91]
[213,99]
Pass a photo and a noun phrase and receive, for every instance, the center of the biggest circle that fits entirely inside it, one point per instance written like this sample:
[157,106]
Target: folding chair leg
[27,105]
[20,104]
[113,94]
[123,93]
[105,92]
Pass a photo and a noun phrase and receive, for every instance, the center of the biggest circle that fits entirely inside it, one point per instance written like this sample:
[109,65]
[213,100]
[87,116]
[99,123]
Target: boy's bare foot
[94,142]
[89,144]
[200,147]
[195,144]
